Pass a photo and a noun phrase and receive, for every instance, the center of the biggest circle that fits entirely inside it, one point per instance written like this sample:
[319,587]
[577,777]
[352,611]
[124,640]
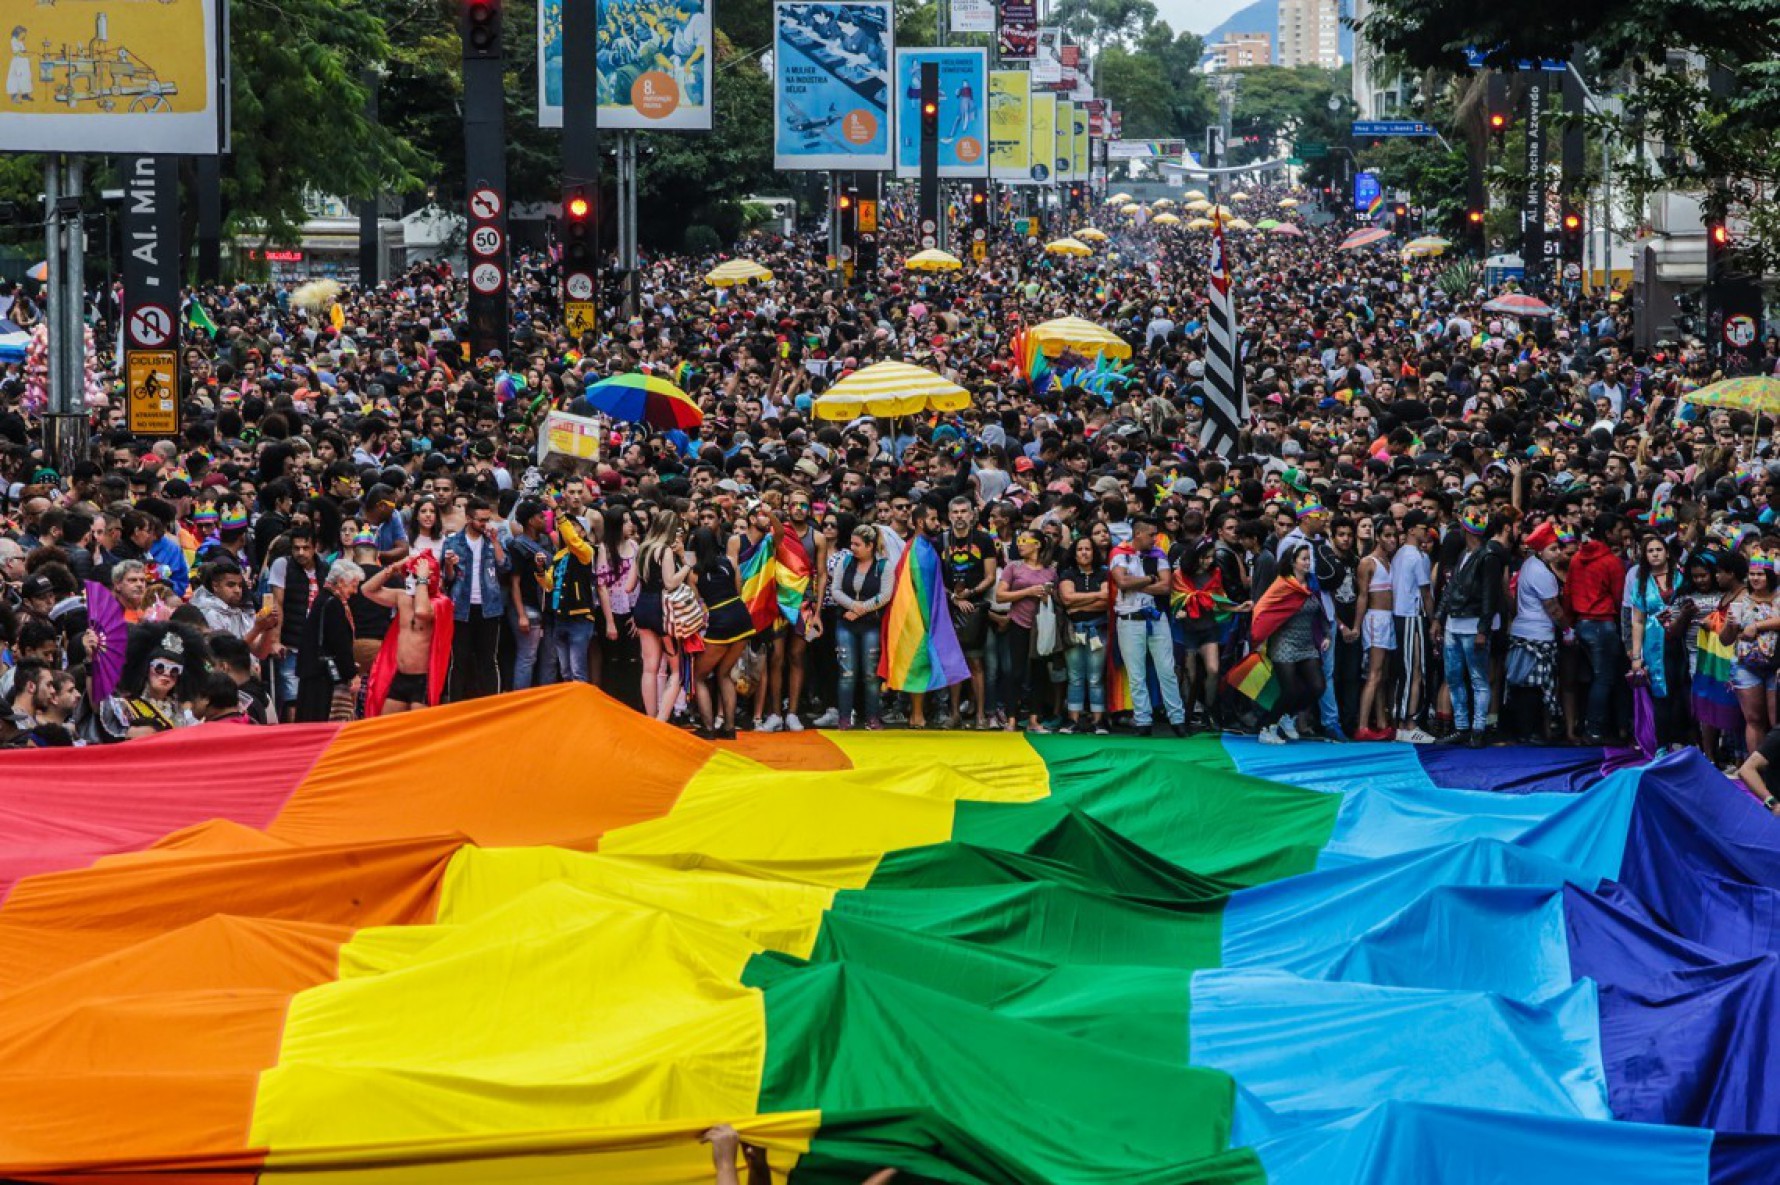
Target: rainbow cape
[760,581]
[1714,703]
[1201,603]
[920,649]
[1283,598]
[1253,678]
[238,955]
[792,574]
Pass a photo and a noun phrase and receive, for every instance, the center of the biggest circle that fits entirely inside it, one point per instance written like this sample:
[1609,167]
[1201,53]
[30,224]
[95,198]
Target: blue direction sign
[1376,128]
[1474,59]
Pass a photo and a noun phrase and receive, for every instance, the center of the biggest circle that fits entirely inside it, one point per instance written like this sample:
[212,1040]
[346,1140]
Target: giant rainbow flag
[541,939]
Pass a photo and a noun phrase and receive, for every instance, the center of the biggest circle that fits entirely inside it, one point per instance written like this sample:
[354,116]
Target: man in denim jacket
[476,569]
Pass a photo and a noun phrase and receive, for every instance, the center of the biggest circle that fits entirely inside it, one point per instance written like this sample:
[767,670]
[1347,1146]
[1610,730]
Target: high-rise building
[1239,50]
[1310,33]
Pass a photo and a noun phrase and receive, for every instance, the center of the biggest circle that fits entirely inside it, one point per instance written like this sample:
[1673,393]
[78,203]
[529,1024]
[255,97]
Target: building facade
[1310,33]
[1238,51]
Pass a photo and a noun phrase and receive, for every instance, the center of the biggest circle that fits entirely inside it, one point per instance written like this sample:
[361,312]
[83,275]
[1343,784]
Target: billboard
[1047,57]
[973,16]
[1368,195]
[831,84]
[963,111]
[1078,170]
[654,64]
[1063,144]
[1018,34]
[1044,136]
[1010,126]
[119,78]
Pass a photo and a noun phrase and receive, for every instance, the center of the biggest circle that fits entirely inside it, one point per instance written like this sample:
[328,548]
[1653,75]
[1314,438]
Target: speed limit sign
[486,241]
[486,278]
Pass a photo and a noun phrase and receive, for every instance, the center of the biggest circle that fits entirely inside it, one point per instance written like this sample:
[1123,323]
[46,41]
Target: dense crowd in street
[1440,525]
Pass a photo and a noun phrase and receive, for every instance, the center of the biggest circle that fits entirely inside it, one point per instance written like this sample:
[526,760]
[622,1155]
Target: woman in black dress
[728,627]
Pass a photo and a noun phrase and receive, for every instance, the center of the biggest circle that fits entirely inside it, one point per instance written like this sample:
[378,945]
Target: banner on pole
[1063,156]
[1044,138]
[1010,126]
[654,65]
[963,113]
[1047,63]
[1078,169]
[973,16]
[1018,33]
[118,78]
[831,84]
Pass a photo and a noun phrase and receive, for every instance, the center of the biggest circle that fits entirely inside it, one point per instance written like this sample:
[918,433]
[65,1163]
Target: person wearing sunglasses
[154,690]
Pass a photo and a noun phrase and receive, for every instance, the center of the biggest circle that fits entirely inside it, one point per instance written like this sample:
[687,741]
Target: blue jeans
[534,656]
[572,636]
[1087,674]
[1600,641]
[1327,709]
[1141,645]
[1467,680]
[856,653]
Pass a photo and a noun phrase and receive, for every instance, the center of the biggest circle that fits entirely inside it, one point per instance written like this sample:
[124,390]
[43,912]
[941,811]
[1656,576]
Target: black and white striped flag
[1226,402]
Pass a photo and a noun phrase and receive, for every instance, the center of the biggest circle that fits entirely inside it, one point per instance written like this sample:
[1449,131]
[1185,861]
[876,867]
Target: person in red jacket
[1592,595]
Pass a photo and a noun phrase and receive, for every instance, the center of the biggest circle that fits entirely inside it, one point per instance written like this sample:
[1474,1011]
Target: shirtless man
[414,626]
[1377,633]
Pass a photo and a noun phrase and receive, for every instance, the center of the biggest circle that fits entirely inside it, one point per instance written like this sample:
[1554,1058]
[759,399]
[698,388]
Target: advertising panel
[963,111]
[1010,126]
[831,84]
[654,64]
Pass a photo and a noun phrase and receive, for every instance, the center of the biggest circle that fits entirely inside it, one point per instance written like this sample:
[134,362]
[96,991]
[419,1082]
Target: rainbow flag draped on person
[920,649]
[760,581]
[1201,604]
[792,574]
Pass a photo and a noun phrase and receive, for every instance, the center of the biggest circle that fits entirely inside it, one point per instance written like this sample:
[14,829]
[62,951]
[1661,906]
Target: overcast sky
[1196,16]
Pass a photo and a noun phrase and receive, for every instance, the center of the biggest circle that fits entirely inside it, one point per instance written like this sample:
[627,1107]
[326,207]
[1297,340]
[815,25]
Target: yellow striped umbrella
[1166,220]
[1426,245]
[1197,204]
[933,260]
[1758,393]
[1091,234]
[1195,195]
[1237,224]
[1073,333]
[1200,224]
[1118,199]
[1068,247]
[1239,197]
[736,271]
[1288,203]
[1130,208]
[1162,203]
[890,389]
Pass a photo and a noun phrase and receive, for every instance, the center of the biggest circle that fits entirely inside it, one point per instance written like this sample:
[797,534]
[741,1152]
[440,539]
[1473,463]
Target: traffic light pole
[930,225]
[485,174]
[580,222]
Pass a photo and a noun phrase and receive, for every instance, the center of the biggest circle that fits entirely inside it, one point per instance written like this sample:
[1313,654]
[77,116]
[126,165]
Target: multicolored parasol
[644,399]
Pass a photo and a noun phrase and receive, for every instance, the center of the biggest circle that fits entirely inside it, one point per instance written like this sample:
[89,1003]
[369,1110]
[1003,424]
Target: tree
[1701,86]
[1156,83]
[299,113]
[1292,102]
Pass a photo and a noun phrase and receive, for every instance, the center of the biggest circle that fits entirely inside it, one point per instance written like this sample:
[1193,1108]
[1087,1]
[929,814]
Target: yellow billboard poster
[116,76]
[1063,143]
[1078,170]
[1044,134]
[1010,126]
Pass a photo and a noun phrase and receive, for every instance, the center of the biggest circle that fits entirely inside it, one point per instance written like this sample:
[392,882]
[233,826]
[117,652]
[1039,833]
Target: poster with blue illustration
[963,111]
[654,64]
[831,84]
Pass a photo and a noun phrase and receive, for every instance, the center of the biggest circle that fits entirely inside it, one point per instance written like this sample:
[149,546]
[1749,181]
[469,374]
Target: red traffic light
[578,208]
[978,199]
[1475,217]
[1572,222]
[844,202]
[1720,234]
[930,109]
[1498,121]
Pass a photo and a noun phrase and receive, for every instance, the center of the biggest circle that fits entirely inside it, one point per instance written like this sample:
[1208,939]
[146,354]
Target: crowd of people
[1439,525]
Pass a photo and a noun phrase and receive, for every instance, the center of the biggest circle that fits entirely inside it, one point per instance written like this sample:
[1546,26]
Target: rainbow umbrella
[644,399]
[1758,393]
[1364,237]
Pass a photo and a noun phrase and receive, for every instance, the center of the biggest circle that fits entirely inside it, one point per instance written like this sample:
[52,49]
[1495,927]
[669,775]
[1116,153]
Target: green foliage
[1292,103]
[299,124]
[1156,83]
[1711,127]
[1460,279]
[700,239]
[1433,176]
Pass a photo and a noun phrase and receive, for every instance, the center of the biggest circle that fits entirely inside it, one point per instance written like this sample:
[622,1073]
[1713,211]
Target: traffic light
[577,230]
[1474,231]
[979,209]
[1718,245]
[1498,126]
[1570,236]
[482,28]
[930,118]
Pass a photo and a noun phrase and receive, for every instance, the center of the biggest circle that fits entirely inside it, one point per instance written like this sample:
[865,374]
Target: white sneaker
[1270,736]
[792,723]
[1288,728]
[773,723]
[1415,736]
[828,719]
